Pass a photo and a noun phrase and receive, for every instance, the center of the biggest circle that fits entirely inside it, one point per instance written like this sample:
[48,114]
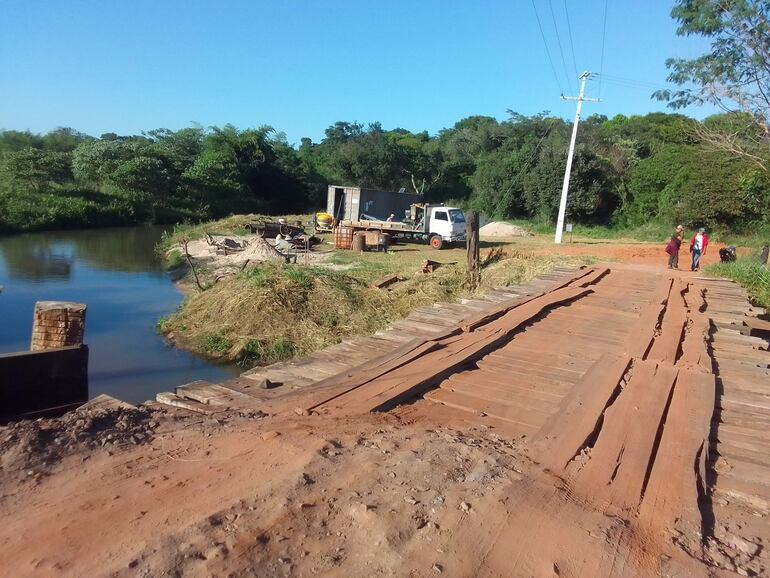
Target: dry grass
[277,311]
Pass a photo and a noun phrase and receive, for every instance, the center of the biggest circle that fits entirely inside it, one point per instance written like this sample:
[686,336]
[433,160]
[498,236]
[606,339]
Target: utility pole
[565,186]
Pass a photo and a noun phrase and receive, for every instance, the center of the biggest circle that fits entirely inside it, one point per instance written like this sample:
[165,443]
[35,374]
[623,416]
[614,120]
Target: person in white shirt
[698,245]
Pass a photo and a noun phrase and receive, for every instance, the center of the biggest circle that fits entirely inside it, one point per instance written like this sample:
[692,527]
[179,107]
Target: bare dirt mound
[502,229]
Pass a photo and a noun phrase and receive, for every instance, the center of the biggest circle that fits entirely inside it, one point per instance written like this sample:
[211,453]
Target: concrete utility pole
[565,186]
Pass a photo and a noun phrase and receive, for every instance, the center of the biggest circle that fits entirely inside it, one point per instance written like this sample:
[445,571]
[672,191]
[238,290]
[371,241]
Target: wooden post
[472,246]
[57,324]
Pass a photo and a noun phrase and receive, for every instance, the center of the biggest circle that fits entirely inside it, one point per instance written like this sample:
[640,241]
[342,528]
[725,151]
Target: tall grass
[753,235]
[750,274]
[276,311]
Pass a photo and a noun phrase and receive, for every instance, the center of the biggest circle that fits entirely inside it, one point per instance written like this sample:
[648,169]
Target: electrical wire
[558,41]
[571,45]
[604,38]
[626,80]
[630,82]
[547,52]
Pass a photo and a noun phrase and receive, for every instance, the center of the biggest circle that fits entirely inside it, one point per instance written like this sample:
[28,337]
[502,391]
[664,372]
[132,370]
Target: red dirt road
[612,425]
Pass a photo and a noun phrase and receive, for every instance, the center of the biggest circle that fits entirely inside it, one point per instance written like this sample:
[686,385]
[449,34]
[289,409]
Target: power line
[630,82]
[571,45]
[558,42]
[604,37]
[547,52]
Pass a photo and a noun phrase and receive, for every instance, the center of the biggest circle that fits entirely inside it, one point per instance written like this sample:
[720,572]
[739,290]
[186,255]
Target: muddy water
[117,274]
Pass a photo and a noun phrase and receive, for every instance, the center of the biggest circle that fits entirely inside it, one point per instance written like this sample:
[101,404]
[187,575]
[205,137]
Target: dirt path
[615,424]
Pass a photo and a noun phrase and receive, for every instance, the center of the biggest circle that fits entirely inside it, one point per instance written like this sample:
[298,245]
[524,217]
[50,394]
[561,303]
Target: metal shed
[347,203]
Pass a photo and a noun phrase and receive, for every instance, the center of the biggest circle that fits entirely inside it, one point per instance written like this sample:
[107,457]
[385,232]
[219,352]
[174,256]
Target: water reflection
[117,274]
[45,256]
[36,261]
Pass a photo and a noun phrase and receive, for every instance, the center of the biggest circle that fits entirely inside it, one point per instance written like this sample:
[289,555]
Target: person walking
[698,245]
[673,247]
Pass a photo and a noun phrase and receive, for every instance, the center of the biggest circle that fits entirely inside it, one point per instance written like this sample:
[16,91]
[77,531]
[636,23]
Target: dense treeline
[627,171]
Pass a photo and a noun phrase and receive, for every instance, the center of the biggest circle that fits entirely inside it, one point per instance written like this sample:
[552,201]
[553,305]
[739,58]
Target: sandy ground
[368,496]
[258,250]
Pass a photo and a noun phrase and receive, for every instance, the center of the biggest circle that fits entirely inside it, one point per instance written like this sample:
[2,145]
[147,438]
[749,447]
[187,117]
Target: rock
[133,563]
[301,411]
[410,500]
[438,568]
[465,506]
[269,435]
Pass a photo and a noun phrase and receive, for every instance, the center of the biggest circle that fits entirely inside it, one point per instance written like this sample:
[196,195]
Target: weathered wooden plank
[666,345]
[174,400]
[105,402]
[488,393]
[678,474]
[517,387]
[642,334]
[619,460]
[579,416]
[433,367]
[510,412]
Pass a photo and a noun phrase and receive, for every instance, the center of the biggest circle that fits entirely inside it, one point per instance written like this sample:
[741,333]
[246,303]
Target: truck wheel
[437,242]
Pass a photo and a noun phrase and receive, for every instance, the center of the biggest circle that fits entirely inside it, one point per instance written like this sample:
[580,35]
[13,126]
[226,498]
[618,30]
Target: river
[117,274]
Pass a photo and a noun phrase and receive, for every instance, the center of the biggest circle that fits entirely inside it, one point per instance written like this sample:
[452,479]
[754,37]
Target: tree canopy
[627,171]
[734,74]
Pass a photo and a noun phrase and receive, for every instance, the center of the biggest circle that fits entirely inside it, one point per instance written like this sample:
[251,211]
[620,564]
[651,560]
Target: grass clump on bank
[274,312]
[750,274]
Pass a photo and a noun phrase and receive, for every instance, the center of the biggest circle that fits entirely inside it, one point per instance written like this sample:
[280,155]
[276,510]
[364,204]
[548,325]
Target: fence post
[472,246]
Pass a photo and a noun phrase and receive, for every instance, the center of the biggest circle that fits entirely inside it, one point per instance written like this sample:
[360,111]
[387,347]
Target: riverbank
[117,274]
[266,310]
[271,311]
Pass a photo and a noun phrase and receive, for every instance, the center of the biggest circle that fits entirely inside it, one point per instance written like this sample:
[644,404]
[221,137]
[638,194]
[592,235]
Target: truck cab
[441,225]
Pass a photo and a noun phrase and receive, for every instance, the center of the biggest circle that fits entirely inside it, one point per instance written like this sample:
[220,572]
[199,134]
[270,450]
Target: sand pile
[258,249]
[502,229]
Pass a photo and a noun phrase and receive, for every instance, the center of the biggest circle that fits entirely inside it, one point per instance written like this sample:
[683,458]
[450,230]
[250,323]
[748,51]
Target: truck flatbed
[384,226]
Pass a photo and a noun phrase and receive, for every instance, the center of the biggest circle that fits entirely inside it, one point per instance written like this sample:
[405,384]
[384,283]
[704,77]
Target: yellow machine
[324,222]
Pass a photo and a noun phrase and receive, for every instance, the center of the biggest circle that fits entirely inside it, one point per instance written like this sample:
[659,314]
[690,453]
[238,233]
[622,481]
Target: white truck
[437,224]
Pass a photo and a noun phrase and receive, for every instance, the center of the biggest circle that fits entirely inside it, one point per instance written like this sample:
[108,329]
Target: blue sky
[300,65]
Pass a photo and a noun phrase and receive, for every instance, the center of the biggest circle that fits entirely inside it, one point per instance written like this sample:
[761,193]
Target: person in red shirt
[698,245]
[673,247]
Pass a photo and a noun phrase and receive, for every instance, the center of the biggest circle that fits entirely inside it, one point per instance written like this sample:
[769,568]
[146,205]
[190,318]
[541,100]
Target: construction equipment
[323,222]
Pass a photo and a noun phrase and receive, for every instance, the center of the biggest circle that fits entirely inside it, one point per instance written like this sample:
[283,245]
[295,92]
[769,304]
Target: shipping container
[350,203]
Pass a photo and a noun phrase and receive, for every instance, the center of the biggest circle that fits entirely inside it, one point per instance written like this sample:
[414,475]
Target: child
[673,247]
[698,246]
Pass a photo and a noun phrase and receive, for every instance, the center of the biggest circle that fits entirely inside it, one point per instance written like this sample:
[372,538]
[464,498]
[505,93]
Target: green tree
[36,169]
[734,74]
